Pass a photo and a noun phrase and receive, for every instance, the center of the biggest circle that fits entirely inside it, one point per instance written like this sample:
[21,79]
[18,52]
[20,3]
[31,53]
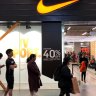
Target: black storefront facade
[69,10]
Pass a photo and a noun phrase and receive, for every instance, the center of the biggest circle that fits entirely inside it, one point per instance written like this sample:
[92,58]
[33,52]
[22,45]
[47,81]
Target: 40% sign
[52,54]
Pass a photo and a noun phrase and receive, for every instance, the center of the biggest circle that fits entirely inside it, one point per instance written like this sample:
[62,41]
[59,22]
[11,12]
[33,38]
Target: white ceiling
[79,38]
[76,30]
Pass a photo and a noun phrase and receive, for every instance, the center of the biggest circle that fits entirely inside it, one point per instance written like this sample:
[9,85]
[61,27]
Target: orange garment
[82,67]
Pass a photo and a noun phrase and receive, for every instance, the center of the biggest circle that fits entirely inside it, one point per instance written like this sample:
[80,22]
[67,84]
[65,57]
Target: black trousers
[62,92]
[83,76]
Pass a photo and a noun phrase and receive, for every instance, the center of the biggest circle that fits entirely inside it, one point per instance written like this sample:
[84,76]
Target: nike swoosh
[41,8]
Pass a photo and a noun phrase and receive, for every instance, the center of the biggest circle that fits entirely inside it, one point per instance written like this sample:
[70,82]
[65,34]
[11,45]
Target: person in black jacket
[1,55]
[65,83]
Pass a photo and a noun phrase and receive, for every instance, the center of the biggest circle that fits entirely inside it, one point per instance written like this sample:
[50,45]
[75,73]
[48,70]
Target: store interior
[80,36]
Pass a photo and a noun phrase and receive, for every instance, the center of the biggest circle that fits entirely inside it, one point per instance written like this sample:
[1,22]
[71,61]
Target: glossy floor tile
[86,89]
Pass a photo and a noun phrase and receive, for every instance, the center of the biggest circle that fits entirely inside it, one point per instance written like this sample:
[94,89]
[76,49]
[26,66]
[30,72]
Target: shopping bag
[75,86]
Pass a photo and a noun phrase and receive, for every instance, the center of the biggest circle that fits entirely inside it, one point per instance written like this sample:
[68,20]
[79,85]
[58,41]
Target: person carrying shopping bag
[65,82]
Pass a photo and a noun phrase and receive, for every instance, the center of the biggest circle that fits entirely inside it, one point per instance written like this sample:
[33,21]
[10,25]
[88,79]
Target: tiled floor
[86,89]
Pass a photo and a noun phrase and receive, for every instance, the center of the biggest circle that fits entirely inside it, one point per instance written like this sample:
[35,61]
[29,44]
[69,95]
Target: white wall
[24,42]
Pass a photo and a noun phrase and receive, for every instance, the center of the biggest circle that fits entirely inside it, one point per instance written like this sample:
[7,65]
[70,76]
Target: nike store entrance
[27,27]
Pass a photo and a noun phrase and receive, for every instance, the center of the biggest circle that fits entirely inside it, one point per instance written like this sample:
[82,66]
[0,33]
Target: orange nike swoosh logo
[41,8]
[9,30]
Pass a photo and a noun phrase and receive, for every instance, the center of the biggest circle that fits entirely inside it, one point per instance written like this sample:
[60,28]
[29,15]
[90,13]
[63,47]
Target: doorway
[80,37]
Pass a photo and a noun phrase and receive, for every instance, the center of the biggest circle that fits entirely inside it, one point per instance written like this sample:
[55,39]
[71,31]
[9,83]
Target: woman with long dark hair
[33,75]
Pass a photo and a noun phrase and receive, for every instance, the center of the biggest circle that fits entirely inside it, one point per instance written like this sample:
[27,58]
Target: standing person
[65,83]
[33,75]
[1,84]
[83,73]
[10,65]
[1,55]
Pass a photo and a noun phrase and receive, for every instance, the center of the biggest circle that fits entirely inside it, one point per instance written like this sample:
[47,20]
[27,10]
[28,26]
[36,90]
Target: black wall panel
[26,10]
[51,47]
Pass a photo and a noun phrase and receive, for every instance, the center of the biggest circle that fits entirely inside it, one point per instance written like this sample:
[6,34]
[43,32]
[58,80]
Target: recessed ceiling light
[68,28]
[64,33]
[94,28]
[84,33]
